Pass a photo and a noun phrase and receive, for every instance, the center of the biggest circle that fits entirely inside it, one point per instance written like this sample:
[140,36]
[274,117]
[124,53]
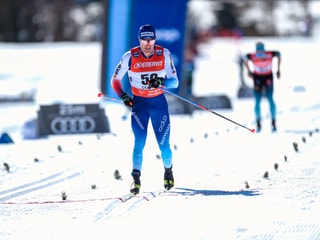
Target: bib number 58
[145,78]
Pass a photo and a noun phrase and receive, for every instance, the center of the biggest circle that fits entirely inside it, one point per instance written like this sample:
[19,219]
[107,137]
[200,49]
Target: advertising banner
[123,22]
[71,119]
[169,19]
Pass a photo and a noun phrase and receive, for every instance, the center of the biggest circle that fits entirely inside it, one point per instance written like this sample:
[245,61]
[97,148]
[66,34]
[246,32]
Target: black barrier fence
[71,119]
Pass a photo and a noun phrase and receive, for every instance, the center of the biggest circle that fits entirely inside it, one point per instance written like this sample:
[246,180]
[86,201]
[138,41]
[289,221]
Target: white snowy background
[221,192]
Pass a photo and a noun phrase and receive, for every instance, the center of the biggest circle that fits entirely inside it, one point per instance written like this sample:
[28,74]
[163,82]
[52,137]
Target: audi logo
[64,125]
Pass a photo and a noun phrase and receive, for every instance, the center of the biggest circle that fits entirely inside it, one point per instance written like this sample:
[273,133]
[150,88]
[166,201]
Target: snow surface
[221,191]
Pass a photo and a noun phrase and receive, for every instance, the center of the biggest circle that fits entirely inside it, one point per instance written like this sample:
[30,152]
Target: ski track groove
[45,185]
[124,201]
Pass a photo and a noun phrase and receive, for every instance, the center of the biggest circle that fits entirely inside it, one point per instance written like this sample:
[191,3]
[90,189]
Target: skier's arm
[279,60]
[172,80]
[246,59]
[119,73]
[278,55]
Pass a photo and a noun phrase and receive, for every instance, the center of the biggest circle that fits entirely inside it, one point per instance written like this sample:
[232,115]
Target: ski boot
[136,182]
[258,126]
[273,125]
[168,178]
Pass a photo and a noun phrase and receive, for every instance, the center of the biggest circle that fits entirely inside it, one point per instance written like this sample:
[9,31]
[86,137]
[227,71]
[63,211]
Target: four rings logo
[76,124]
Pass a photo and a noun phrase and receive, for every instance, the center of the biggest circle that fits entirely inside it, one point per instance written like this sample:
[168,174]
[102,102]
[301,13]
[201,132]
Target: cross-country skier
[262,76]
[149,68]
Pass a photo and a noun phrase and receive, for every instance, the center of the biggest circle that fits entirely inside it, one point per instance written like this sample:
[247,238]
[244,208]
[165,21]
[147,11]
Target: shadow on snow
[205,192]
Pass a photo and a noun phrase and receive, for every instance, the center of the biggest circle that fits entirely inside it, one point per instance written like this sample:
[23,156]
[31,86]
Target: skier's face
[147,46]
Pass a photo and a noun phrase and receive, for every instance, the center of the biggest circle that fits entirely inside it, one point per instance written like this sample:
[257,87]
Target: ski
[127,197]
[113,204]
[139,200]
[146,197]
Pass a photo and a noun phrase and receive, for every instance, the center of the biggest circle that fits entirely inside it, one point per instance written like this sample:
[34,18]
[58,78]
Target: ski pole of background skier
[206,109]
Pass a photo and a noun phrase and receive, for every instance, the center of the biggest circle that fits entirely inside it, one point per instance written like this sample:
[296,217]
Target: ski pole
[206,109]
[101,95]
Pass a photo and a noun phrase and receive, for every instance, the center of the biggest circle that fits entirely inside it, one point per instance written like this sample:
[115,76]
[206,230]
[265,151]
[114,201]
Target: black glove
[278,74]
[127,100]
[155,83]
[250,74]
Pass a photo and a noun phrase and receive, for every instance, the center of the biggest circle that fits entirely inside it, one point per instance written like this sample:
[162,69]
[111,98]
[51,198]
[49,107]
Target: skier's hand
[278,74]
[155,83]
[250,74]
[127,100]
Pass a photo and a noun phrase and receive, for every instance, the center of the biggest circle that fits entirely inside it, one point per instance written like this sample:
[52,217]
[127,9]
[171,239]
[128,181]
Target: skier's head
[147,32]
[147,39]
[259,46]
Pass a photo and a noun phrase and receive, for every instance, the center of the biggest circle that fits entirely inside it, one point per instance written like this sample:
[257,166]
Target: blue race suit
[149,103]
[263,79]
